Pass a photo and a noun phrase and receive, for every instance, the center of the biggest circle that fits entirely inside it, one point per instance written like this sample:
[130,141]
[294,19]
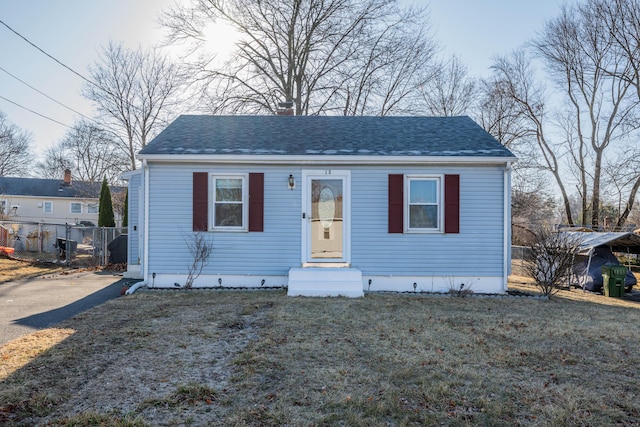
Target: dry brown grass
[261,358]
[17,353]
[13,269]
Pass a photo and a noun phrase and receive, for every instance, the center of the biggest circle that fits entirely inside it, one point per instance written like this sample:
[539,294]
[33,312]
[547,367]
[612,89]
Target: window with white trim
[47,207]
[75,207]
[423,203]
[230,196]
[92,208]
[3,207]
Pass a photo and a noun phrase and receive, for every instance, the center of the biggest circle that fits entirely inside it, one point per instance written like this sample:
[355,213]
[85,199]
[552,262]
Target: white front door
[326,217]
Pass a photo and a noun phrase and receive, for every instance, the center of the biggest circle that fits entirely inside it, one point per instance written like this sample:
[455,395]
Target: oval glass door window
[326,207]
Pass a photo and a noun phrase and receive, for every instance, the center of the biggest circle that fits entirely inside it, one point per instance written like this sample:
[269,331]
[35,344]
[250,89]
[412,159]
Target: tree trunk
[627,210]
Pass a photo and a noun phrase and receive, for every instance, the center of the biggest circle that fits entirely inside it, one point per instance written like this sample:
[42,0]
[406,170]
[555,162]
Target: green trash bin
[613,280]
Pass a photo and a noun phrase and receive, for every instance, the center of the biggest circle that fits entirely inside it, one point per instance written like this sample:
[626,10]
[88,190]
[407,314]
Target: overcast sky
[73,31]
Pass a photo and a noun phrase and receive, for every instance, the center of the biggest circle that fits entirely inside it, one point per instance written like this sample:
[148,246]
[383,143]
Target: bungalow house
[49,200]
[323,205]
[28,203]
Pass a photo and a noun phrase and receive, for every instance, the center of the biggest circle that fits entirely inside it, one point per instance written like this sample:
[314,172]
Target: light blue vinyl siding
[476,251]
[273,251]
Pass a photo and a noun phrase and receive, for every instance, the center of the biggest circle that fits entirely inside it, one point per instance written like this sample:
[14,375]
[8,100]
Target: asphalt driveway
[32,304]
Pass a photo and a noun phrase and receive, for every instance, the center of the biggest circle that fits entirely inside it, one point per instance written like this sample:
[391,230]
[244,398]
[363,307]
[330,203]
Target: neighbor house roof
[39,187]
[325,136]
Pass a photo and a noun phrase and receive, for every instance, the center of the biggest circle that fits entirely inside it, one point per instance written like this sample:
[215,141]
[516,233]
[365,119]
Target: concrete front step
[325,282]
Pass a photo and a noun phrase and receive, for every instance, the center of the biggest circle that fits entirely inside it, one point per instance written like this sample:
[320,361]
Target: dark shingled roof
[325,135]
[39,187]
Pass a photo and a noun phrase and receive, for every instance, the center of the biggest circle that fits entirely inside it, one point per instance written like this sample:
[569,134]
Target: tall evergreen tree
[105,215]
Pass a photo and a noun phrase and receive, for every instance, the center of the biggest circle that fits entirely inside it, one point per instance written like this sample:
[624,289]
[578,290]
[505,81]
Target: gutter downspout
[506,267]
[135,287]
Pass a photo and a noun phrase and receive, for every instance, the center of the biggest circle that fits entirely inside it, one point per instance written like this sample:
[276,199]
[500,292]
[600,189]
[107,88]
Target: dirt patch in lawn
[163,358]
[147,354]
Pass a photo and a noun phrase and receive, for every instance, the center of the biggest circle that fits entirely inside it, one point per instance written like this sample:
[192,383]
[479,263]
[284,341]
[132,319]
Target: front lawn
[261,358]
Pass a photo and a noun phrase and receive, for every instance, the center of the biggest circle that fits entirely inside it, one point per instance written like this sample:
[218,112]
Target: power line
[35,112]
[44,94]
[103,89]
[59,62]
[74,72]
[101,128]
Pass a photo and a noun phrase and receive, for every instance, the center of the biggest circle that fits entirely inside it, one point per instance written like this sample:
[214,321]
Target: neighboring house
[324,205]
[51,201]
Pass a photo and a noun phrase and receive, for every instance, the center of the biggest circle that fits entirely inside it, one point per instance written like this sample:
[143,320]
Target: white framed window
[75,207]
[92,208]
[230,202]
[47,207]
[423,204]
[3,207]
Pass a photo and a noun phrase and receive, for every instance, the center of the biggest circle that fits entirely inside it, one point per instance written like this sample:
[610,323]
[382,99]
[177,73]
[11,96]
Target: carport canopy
[625,242]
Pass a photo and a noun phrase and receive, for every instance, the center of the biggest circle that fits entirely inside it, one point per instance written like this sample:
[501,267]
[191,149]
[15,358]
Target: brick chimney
[67,177]
[285,109]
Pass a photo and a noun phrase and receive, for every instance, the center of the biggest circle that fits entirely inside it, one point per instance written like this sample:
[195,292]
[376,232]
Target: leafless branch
[15,149]
[200,249]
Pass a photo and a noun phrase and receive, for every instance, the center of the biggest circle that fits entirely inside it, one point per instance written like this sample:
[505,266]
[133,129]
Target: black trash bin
[118,249]
[65,245]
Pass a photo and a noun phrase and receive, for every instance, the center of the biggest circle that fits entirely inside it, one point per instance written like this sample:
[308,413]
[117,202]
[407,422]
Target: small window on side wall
[47,207]
[76,207]
[230,202]
[92,208]
[424,204]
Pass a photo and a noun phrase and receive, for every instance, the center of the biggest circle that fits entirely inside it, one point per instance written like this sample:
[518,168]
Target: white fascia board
[325,160]
[126,176]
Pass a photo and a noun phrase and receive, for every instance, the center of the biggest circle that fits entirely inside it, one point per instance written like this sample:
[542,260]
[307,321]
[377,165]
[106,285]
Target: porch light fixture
[292,182]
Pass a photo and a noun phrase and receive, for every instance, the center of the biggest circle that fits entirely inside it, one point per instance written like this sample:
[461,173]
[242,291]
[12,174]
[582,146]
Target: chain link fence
[71,244]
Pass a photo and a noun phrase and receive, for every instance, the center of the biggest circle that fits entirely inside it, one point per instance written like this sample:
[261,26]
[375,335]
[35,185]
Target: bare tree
[578,128]
[623,179]
[389,69]
[550,260]
[134,91]
[15,149]
[451,92]
[90,152]
[533,206]
[200,249]
[53,163]
[513,80]
[580,56]
[621,20]
[342,56]
[500,114]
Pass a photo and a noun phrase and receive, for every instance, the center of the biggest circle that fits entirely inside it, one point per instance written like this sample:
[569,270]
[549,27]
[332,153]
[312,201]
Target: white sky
[73,31]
